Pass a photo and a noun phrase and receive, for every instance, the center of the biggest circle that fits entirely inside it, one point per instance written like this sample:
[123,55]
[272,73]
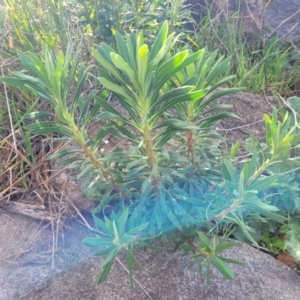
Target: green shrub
[155,188]
[105,18]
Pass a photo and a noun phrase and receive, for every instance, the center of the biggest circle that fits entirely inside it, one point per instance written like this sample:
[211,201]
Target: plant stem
[259,171]
[192,244]
[190,118]
[93,158]
[150,152]
[149,147]
[228,210]
[189,145]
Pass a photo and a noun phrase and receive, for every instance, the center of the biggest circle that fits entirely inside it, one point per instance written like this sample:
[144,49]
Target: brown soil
[250,108]
[286,258]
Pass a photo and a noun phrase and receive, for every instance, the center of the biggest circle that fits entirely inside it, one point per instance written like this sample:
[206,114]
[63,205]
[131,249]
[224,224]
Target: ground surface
[25,270]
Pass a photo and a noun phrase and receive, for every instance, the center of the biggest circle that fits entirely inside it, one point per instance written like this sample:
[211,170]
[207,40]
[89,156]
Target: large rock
[262,18]
[25,271]
[282,18]
[262,278]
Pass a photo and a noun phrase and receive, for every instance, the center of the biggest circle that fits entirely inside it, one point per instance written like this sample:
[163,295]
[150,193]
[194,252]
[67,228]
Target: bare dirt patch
[250,108]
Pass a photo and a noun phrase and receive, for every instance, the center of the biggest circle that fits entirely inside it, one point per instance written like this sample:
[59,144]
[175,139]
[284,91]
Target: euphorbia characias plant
[139,77]
[206,73]
[136,76]
[145,185]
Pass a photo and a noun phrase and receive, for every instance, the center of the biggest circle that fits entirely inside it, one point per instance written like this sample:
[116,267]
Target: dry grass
[28,183]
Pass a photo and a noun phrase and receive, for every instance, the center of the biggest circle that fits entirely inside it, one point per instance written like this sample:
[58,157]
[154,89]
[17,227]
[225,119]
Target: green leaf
[188,97]
[224,246]
[126,240]
[169,95]
[100,223]
[224,269]
[38,115]
[228,172]
[130,258]
[106,63]
[232,261]
[122,48]
[97,242]
[122,222]
[115,88]
[134,259]
[105,251]
[164,137]
[27,79]
[138,229]
[168,67]
[45,95]
[17,82]
[176,124]
[244,228]
[107,116]
[205,241]
[177,62]
[212,120]
[142,62]
[234,149]
[86,103]
[116,233]
[159,57]
[69,161]
[106,106]
[50,127]
[263,183]
[105,271]
[131,44]
[136,172]
[252,165]
[123,66]
[159,41]
[62,154]
[172,217]
[137,162]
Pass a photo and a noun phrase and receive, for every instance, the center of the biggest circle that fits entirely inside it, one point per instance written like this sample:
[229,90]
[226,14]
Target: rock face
[262,278]
[167,278]
[282,18]
[262,18]
[26,273]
